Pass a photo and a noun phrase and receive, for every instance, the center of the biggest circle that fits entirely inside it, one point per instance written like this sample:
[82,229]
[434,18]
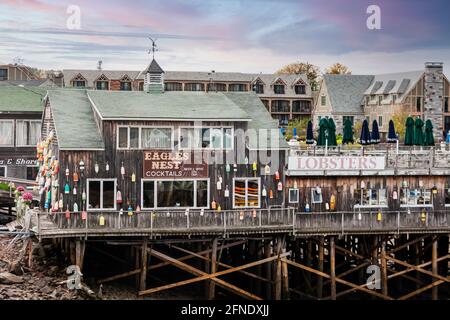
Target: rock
[9,278]
[16,268]
[45,290]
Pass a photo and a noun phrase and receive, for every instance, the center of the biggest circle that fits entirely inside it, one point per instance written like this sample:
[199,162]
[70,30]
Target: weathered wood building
[151,150]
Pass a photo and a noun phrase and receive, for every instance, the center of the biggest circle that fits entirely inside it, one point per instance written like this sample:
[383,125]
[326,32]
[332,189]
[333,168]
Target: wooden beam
[162,264]
[347,283]
[419,269]
[204,276]
[333,268]
[277,290]
[285,278]
[268,267]
[212,285]
[320,266]
[434,266]
[423,289]
[144,258]
[384,275]
[196,255]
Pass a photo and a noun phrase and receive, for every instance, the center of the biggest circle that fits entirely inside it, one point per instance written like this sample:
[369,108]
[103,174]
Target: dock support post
[320,279]
[213,269]
[384,278]
[143,279]
[333,268]
[434,266]
[285,278]
[268,267]
[278,269]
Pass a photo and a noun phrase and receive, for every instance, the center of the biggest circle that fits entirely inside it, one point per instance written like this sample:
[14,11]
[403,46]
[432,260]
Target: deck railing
[246,220]
[404,157]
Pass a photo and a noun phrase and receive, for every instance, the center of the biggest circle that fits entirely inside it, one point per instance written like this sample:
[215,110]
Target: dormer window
[125,83]
[258,86]
[237,87]
[278,89]
[102,83]
[300,89]
[79,82]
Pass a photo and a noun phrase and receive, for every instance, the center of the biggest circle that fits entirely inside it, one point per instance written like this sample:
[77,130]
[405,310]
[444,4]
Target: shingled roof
[346,91]
[20,99]
[154,67]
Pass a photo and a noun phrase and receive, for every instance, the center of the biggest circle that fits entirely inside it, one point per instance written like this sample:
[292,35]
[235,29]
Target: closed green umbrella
[409,132]
[429,139]
[331,133]
[348,132]
[323,126]
[418,132]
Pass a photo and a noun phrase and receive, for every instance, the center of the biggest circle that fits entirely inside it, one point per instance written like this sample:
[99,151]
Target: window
[293,195]
[380,99]
[447,196]
[418,104]
[323,100]
[394,98]
[301,106]
[351,118]
[79,84]
[446,104]
[28,132]
[217,87]
[125,86]
[194,87]
[173,86]
[206,138]
[283,119]
[128,138]
[141,86]
[3,74]
[32,172]
[237,87]
[2,171]
[416,198]
[278,89]
[175,193]
[246,192]
[101,194]
[316,195]
[280,106]
[6,133]
[370,198]
[156,138]
[102,85]
[258,88]
[300,89]
[380,121]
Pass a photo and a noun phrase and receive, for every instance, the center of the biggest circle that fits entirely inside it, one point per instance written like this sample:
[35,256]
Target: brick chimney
[433,97]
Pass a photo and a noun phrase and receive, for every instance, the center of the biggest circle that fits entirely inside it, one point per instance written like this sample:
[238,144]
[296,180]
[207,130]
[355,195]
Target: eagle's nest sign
[175,164]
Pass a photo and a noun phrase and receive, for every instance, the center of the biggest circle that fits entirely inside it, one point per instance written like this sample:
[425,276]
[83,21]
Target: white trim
[101,194]
[246,179]
[416,206]
[177,119]
[82,149]
[6,171]
[155,193]
[13,133]
[206,127]
[140,127]
[370,206]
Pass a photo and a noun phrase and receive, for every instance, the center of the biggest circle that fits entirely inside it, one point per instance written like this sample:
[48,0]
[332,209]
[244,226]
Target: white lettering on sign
[336,163]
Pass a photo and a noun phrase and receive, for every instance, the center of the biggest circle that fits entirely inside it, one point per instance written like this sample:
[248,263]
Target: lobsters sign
[336,163]
[174,164]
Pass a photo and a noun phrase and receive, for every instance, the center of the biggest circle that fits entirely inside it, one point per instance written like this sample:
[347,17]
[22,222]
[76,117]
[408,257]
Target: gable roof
[74,120]
[346,91]
[182,105]
[154,67]
[92,75]
[21,99]
[266,129]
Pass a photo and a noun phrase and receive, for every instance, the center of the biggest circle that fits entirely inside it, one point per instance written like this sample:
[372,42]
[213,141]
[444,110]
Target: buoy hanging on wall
[226,192]
[96,168]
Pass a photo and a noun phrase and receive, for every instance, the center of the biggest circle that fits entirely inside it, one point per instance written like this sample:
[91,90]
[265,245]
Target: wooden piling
[143,278]
[277,278]
[333,268]
[212,285]
[434,266]
[268,268]
[320,268]
[384,277]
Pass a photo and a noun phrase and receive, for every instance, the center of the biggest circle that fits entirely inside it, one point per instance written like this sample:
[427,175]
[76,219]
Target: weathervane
[154,47]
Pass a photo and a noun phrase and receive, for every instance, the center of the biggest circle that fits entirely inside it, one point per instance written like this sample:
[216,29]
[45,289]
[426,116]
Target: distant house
[15,72]
[422,93]
[20,126]
[286,96]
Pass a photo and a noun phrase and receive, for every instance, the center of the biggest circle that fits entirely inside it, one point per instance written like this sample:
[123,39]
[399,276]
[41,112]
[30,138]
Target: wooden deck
[237,222]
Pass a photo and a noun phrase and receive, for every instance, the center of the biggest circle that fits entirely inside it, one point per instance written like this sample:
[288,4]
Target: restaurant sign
[19,162]
[175,164]
[336,163]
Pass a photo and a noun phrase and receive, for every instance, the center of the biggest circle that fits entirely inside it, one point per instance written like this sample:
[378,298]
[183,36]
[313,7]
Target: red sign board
[174,164]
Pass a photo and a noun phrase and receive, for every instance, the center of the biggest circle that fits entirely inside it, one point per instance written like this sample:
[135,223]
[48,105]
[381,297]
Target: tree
[338,68]
[301,125]
[312,72]
[399,120]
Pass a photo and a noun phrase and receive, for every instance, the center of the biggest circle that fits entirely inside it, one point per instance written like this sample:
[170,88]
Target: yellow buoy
[379,216]
[101,221]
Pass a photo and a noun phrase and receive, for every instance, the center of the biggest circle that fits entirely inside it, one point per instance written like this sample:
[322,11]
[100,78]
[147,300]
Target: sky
[226,35]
